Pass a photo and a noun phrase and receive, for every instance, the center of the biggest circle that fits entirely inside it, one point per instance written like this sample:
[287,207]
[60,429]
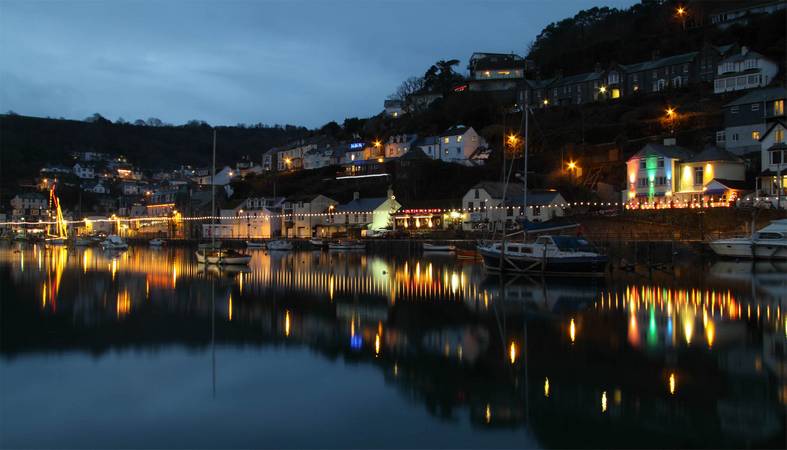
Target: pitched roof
[774,125]
[737,185]
[713,153]
[579,78]
[667,151]
[515,193]
[455,130]
[362,204]
[413,154]
[683,58]
[740,56]
[759,96]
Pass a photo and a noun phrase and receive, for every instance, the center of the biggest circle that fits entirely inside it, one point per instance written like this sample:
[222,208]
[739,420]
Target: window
[755,135]
[753,79]
[476,193]
[446,140]
[642,164]
[615,93]
[459,139]
[776,157]
[778,108]
[470,205]
[734,110]
[755,107]
[721,136]
[779,136]
[643,182]
[661,181]
[698,176]
[660,162]
[734,137]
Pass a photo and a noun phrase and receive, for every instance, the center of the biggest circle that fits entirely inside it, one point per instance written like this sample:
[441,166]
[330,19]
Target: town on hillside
[398,179]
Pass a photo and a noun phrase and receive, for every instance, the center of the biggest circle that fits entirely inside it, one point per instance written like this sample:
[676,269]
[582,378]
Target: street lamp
[681,12]
[572,169]
[671,115]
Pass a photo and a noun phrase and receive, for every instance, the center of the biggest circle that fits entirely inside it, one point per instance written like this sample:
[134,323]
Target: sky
[302,62]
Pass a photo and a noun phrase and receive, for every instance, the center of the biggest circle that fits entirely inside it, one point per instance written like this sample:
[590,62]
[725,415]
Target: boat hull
[745,249]
[589,265]
[438,248]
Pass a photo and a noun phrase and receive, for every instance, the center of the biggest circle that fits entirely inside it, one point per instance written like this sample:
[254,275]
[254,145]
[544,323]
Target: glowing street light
[512,140]
[603,89]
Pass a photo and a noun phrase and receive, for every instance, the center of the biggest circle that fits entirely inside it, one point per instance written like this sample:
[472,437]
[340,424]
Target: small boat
[114,242]
[157,242]
[255,244]
[550,255]
[222,257]
[317,242]
[279,245]
[54,240]
[347,245]
[768,243]
[438,247]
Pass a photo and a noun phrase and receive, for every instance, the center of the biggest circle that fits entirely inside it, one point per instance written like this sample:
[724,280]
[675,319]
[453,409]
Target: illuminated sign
[460,88]
[356,145]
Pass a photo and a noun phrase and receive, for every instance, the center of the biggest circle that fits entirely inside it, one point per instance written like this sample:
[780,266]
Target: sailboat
[60,236]
[216,254]
[548,255]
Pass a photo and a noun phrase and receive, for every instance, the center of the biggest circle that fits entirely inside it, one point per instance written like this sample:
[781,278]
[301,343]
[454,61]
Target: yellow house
[710,164]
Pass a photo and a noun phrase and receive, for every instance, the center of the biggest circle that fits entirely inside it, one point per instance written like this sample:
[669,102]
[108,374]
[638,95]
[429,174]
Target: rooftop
[759,96]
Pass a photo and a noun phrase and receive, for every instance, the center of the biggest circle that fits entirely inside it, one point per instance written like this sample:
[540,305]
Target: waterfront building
[305,216]
[84,171]
[460,144]
[488,209]
[29,206]
[356,217]
[773,151]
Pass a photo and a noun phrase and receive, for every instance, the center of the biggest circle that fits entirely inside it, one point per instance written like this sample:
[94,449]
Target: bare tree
[408,87]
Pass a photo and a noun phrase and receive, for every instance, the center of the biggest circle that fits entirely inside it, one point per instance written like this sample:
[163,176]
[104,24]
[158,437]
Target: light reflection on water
[691,359]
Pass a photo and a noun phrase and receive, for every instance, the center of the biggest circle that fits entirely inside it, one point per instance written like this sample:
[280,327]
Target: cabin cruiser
[548,255]
[347,245]
[767,243]
[114,242]
[222,257]
[280,244]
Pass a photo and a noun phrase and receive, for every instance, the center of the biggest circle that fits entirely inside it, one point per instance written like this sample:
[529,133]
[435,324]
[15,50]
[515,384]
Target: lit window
[446,140]
[459,139]
[698,176]
[615,93]
[778,108]
[755,135]
[779,136]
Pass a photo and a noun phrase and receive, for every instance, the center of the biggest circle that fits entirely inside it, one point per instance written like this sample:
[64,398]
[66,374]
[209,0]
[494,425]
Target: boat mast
[213,196]
[524,176]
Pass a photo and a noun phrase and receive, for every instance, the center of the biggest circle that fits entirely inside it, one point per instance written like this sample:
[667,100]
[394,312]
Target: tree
[331,129]
[154,122]
[121,121]
[407,88]
[97,118]
[441,78]
[140,123]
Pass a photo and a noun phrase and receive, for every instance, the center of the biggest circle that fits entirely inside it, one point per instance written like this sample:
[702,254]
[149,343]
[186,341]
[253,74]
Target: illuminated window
[615,93]
[779,136]
[459,139]
[446,140]
[778,108]
[755,135]
[503,72]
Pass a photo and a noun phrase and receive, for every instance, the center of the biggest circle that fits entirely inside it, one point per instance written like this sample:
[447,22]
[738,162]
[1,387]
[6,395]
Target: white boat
[280,245]
[157,242]
[222,257]
[438,247]
[316,242]
[255,244]
[548,255]
[347,245]
[767,243]
[114,242]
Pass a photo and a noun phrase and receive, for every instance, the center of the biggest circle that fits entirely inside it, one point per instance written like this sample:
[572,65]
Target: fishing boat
[114,242]
[551,255]
[279,245]
[347,245]
[156,242]
[438,247]
[255,244]
[767,243]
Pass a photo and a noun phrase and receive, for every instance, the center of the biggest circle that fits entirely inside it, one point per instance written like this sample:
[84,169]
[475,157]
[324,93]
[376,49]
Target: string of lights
[478,209]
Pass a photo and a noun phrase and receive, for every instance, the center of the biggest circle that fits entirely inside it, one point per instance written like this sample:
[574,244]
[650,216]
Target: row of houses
[458,144]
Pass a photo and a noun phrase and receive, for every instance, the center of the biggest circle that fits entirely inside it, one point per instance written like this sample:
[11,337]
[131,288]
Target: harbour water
[146,348]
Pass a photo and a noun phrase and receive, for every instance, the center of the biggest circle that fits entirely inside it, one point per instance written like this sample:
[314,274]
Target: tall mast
[213,194]
[524,175]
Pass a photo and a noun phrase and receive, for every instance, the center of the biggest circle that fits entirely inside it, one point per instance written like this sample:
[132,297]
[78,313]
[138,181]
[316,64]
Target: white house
[484,201]
[319,157]
[361,214]
[303,217]
[745,70]
[241,223]
[28,204]
[222,178]
[430,145]
[84,171]
[96,188]
[459,144]
[393,108]
[773,177]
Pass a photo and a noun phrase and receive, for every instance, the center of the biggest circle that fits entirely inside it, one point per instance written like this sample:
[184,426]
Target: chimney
[744,50]
[356,195]
[669,142]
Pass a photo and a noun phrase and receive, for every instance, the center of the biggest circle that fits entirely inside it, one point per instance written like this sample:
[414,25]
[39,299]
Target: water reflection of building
[603,357]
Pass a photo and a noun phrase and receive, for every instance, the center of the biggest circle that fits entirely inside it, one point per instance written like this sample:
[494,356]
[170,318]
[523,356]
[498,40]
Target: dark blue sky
[300,62]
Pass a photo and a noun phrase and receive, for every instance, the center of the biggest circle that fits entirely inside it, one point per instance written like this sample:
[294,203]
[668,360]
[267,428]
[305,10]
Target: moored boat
[317,242]
[550,255]
[222,257]
[279,245]
[768,243]
[255,244]
[157,242]
[347,245]
[438,247]
[114,242]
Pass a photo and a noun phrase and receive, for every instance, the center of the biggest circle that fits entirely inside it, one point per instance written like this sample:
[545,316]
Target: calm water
[311,349]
